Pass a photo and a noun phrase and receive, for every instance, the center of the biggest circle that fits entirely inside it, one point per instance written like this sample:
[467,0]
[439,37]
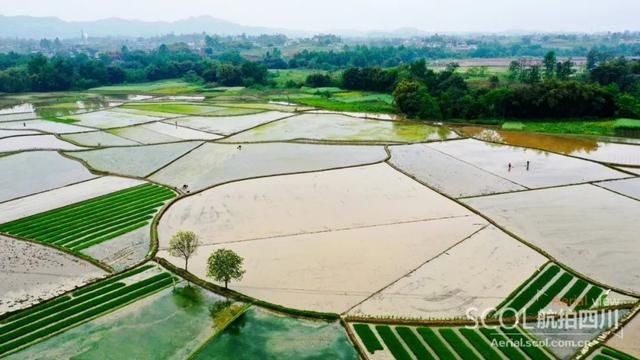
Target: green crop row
[414,344]
[84,310]
[19,327]
[571,296]
[533,352]
[437,345]
[111,280]
[392,343]
[110,236]
[616,354]
[368,337]
[589,298]
[75,223]
[75,220]
[530,291]
[54,221]
[105,229]
[35,308]
[457,344]
[62,211]
[547,296]
[477,341]
[508,349]
[450,343]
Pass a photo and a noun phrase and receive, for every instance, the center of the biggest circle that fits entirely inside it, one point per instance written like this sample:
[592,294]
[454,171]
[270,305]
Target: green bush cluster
[392,343]
[93,221]
[368,337]
[71,311]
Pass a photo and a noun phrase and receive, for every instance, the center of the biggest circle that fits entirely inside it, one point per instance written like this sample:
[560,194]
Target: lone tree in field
[225,265]
[184,244]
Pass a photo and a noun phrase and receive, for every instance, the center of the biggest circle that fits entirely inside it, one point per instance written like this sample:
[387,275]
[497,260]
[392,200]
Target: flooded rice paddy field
[363,215]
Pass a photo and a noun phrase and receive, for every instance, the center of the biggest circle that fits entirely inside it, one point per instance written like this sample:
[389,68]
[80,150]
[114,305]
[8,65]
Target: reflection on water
[554,143]
[609,152]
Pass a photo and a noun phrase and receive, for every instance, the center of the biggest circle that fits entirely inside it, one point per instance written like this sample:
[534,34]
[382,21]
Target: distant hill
[50,27]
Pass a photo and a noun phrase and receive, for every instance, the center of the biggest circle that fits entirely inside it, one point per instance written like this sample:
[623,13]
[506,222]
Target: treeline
[36,72]
[548,90]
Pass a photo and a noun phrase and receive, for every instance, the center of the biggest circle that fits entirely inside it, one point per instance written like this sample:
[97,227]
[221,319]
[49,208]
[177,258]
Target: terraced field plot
[448,174]
[621,154]
[174,107]
[31,273]
[227,125]
[628,187]
[213,164]
[45,126]
[545,169]
[332,127]
[47,170]
[81,225]
[43,320]
[478,273]
[111,119]
[406,343]
[35,142]
[98,138]
[137,161]
[264,335]
[306,203]
[10,133]
[177,132]
[167,325]
[583,226]
[17,116]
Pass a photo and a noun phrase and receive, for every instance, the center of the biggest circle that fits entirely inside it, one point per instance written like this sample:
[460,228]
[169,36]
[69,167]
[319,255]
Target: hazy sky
[318,15]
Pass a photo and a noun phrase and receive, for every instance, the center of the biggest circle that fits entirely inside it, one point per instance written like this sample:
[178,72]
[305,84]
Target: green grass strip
[55,327]
[369,339]
[415,345]
[533,352]
[393,344]
[603,357]
[547,296]
[111,280]
[532,289]
[616,354]
[571,296]
[457,344]
[589,298]
[496,338]
[437,345]
[479,343]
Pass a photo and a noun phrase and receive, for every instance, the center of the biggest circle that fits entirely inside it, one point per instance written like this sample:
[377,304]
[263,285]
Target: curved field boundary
[48,319]
[513,235]
[232,294]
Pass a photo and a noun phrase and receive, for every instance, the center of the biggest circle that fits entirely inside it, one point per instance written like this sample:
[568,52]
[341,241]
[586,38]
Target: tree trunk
[226,282]
[186,264]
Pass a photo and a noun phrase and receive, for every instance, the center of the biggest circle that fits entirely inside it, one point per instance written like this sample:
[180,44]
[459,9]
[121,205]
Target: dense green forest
[550,89]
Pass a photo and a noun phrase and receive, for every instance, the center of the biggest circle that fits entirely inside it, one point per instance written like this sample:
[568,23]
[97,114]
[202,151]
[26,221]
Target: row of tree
[550,89]
[36,72]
